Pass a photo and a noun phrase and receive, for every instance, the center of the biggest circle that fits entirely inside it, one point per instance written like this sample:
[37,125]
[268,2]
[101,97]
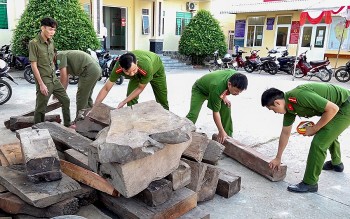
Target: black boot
[329,166]
[303,187]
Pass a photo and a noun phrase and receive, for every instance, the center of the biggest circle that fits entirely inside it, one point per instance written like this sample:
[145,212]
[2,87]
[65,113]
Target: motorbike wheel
[28,75]
[120,80]
[290,69]
[298,73]
[324,75]
[248,67]
[213,67]
[5,91]
[73,79]
[342,75]
[271,68]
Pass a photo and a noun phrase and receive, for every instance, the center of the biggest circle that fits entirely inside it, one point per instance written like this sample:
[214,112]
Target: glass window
[255,31]
[284,20]
[182,20]
[282,36]
[306,38]
[3,14]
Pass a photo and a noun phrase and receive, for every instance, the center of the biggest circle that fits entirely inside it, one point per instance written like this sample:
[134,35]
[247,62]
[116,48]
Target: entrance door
[313,39]
[115,22]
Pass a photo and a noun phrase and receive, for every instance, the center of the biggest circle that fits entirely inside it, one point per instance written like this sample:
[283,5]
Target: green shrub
[74,31]
[201,37]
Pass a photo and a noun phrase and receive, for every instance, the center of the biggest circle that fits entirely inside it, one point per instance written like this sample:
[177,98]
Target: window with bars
[182,20]
[3,14]
[255,31]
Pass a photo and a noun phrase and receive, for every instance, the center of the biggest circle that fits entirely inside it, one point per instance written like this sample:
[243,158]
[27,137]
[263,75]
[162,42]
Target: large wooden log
[88,178]
[50,107]
[180,177]
[229,184]
[13,153]
[40,156]
[253,159]
[12,204]
[197,147]
[41,194]
[65,138]
[156,193]
[182,201]
[21,122]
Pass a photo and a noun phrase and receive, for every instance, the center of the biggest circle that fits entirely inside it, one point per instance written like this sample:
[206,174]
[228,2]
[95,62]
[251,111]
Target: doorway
[114,20]
[313,39]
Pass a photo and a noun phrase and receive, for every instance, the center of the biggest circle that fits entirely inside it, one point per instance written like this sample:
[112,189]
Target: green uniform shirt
[213,85]
[43,53]
[148,63]
[310,100]
[75,61]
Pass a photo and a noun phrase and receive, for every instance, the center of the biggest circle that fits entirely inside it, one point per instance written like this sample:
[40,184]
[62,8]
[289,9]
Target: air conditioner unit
[191,6]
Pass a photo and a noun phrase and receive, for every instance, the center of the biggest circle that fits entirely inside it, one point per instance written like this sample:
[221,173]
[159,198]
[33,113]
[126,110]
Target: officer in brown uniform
[41,56]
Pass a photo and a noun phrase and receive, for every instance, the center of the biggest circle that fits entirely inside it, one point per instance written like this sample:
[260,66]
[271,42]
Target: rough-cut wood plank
[100,113]
[180,177]
[21,122]
[88,178]
[38,194]
[77,158]
[13,153]
[140,131]
[197,147]
[12,204]
[40,156]
[86,126]
[209,184]
[88,195]
[156,193]
[197,174]
[182,201]
[50,107]
[196,213]
[253,159]
[229,184]
[213,152]
[65,138]
[3,160]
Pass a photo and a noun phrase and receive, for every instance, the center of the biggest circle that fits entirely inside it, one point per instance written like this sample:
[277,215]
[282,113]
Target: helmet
[3,66]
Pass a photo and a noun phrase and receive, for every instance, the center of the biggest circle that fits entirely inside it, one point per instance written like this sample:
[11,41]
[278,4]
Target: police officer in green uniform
[141,67]
[81,64]
[215,87]
[41,56]
[331,103]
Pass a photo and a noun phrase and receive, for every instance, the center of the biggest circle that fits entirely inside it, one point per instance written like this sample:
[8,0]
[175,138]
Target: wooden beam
[253,159]
[228,185]
[50,107]
[13,153]
[21,122]
[88,178]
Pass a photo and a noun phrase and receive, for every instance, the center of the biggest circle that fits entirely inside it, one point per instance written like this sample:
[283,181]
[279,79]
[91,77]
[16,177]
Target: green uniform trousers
[86,84]
[197,100]
[58,91]
[159,88]
[326,138]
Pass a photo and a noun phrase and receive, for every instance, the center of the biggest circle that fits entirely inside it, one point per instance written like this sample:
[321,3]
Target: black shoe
[303,187]
[329,166]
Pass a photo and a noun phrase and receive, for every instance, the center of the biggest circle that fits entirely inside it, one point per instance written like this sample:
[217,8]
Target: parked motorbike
[5,88]
[226,62]
[4,51]
[238,59]
[286,63]
[254,62]
[106,62]
[342,74]
[29,76]
[320,68]
[13,61]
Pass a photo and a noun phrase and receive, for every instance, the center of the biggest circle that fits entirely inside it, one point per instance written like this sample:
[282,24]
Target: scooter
[320,68]
[29,76]
[342,74]
[13,61]
[226,62]
[5,88]
[286,63]
[254,62]
[238,59]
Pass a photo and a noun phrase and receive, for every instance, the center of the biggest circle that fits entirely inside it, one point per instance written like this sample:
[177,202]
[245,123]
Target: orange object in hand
[301,128]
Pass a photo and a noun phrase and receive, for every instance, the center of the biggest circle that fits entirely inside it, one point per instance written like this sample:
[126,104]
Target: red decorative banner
[294,32]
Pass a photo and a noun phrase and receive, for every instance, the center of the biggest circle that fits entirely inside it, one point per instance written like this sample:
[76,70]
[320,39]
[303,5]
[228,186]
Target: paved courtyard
[254,126]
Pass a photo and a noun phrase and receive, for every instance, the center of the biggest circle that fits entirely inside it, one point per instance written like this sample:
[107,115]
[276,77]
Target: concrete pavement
[254,126]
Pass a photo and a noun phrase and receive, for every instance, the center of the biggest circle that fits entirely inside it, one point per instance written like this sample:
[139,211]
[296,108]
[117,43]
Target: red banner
[294,32]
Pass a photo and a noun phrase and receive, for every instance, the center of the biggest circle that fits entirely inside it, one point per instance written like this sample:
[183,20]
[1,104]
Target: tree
[74,31]
[201,37]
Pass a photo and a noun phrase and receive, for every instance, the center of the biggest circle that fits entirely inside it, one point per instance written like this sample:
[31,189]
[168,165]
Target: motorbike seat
[234,55]
[227,59]
[318,62]
[286,59]
[266,58]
